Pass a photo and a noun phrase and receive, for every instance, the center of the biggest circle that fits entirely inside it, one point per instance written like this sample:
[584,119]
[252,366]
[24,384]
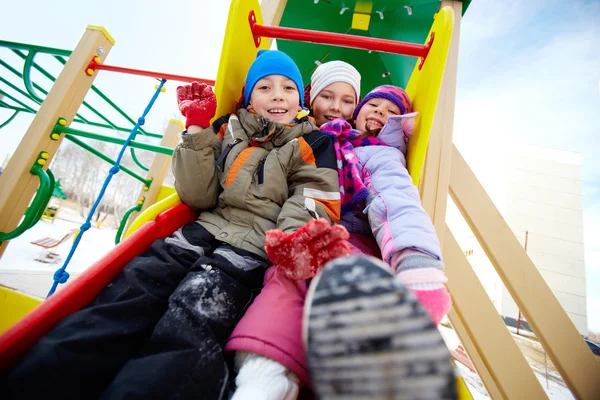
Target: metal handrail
[119,234]
[38,205]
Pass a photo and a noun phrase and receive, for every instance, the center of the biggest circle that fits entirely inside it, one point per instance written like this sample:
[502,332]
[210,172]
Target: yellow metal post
[436,170]
[17,184]
[238,40]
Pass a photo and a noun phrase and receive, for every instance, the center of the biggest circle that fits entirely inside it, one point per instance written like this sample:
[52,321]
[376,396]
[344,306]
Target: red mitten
[299,255]
[197,103]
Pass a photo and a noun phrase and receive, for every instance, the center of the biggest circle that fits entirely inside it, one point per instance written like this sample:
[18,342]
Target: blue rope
[62,276]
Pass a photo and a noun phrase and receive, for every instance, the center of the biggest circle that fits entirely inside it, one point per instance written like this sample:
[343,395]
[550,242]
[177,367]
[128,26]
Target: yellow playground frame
[435,165]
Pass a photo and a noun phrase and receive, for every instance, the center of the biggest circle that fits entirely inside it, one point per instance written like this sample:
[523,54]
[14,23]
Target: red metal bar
[158,75]
[337,39]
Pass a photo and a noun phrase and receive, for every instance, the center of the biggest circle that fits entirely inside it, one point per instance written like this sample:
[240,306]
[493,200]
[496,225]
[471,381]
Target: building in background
[539,193]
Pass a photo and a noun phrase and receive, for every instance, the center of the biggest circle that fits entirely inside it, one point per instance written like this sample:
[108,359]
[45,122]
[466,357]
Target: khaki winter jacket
[249,174]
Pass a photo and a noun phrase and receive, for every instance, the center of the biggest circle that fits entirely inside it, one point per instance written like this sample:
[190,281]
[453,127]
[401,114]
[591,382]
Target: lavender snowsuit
[272,326]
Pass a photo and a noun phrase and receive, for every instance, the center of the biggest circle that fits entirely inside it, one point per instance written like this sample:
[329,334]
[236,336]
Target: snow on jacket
[250,174]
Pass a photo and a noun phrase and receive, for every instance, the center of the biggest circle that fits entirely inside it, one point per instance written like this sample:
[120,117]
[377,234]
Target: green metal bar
[32,47]
[81,118]
[102,95]
[27,77]
[127,117]
[157,149]
[20,75]
[135,159]
[98,113]
[14,98]
[16,89]
[119,234]
[45,202]
[113,105]
[53,79]
[42,196]
[99,125]
[35,85]
[14,108]
[89,148]
[9,119]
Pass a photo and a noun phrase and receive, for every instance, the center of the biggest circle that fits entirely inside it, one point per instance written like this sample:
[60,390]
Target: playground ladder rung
[158,75]
[338,39]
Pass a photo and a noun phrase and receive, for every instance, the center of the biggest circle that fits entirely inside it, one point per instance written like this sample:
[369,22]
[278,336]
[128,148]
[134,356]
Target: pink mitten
[437,302]
[424,276]
[299,255]
[197,103]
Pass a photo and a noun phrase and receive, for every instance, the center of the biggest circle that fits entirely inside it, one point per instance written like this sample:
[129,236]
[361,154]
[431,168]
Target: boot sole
[368,337]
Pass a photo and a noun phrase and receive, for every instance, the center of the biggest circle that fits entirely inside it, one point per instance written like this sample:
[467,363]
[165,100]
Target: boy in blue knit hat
[157,331]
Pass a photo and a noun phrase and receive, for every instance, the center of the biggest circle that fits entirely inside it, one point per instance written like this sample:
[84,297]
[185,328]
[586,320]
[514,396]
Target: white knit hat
[331,72]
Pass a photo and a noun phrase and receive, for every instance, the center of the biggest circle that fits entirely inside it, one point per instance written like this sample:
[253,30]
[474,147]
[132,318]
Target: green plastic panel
[376,68]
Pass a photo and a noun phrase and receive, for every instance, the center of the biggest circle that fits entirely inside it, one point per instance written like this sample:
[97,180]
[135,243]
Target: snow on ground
[543,368]
[20,270]
[475,385]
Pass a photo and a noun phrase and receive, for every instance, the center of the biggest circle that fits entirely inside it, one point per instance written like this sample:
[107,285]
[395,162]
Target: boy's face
[374,114]
[337,100]
[276,97]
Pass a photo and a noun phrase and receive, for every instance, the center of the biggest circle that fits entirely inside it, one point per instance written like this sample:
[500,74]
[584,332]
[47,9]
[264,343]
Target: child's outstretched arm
[404,231]
[193,163]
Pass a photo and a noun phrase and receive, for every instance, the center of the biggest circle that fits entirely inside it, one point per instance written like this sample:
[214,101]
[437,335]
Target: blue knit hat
[272,62]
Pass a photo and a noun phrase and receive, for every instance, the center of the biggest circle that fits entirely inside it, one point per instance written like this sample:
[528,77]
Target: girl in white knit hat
[333,91]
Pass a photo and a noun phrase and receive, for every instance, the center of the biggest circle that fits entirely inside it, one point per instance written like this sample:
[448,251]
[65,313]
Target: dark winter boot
[368,337]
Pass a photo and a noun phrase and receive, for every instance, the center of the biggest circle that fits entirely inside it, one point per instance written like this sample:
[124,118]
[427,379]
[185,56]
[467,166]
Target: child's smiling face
[337,100]
[276,97]
[374,114]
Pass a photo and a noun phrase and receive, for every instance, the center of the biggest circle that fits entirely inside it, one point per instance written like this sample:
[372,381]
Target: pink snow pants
[272,325]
